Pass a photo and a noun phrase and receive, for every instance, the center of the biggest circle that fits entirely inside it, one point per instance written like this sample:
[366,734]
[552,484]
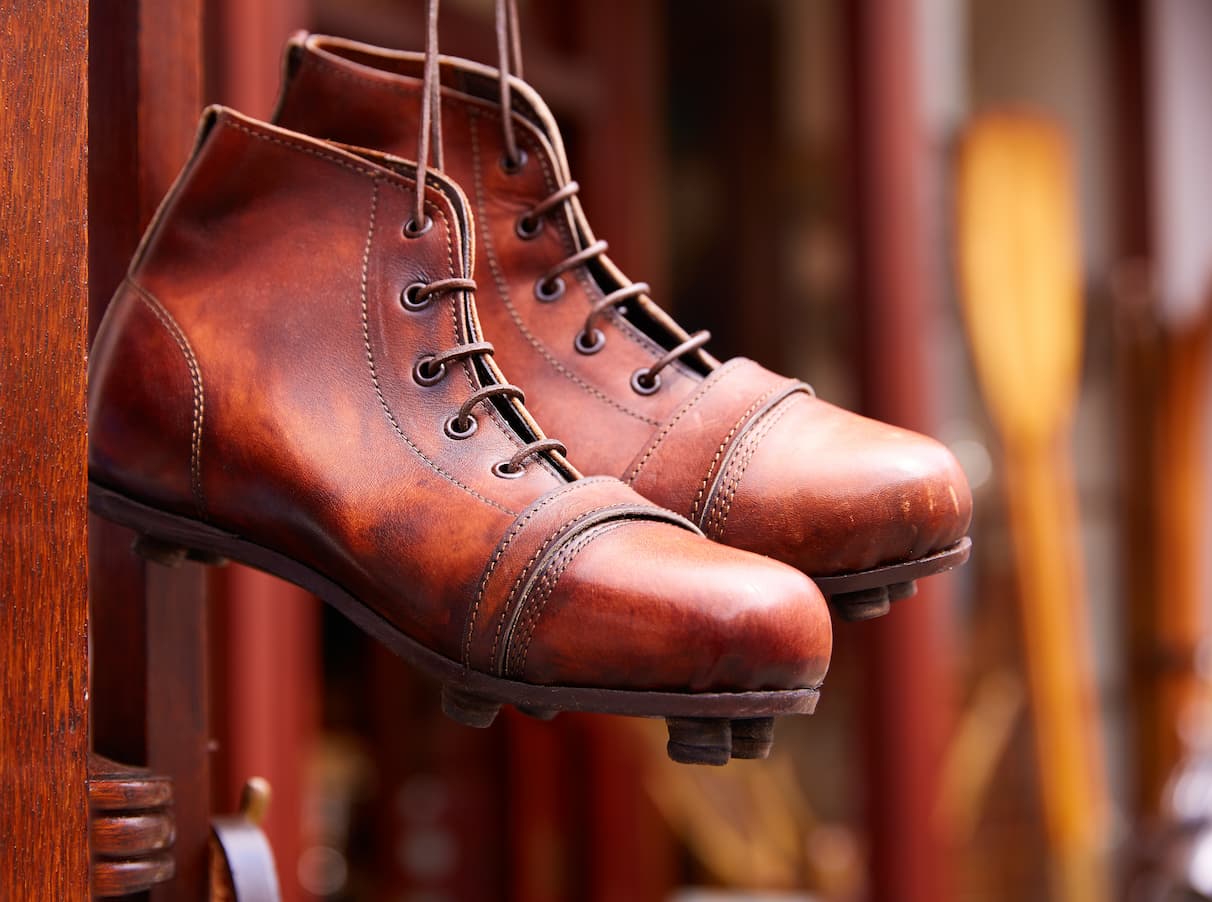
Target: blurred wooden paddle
[1019,269]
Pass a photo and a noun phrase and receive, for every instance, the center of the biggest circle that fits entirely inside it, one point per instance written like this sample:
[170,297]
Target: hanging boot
[293,376]
[753,459]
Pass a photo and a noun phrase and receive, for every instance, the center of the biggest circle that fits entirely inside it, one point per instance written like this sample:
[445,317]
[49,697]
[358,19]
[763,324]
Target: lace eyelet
[408,298]
[528,227]
[549,291]
[425,374]
[412,230]
[453,430]
[589,342]
[504,471]
[513,167]
[644,383]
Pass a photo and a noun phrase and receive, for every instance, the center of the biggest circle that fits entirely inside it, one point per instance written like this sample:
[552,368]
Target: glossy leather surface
[747,455]
[255,372]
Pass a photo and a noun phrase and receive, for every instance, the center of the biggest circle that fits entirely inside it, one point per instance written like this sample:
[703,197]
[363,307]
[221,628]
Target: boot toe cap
[648,606]
[833,492]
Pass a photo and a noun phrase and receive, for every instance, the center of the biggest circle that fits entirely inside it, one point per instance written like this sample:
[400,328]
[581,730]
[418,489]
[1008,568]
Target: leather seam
[722,506]
[551,578]
[708,383]
[294,145]
[719,452]
[370,358]
[551,574]
[560,532]
[469,631]
[199,395]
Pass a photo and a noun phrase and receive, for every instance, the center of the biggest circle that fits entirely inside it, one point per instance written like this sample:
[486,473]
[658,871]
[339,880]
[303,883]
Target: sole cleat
[865,604]
[695,740]
[869,593]
[752,738]
[467,709]
[538,713]
[157,551]
[171,554]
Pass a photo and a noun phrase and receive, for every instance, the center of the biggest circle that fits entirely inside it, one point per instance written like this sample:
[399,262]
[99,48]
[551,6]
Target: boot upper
[258,371]
[731,435]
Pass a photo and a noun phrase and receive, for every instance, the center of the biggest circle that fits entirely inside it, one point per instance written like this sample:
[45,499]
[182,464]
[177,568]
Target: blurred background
[989,221]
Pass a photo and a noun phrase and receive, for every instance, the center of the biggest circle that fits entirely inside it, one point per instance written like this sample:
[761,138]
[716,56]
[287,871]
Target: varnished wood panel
[149,674]
[43,321]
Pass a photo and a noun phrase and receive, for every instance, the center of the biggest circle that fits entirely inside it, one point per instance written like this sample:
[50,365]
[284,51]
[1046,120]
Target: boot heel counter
[146,405]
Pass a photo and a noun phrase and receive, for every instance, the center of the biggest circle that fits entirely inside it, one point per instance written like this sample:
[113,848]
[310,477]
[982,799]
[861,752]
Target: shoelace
[432,368]
[550,286]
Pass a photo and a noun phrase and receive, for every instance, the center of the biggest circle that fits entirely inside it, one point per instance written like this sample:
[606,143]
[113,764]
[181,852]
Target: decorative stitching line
[719,452]
[736,472]
[195,374]
[375,175]
[370,358]
[543,589]
[714,379]
[561,532]
[567,559]
[294,145]
[509,537]
[488,248]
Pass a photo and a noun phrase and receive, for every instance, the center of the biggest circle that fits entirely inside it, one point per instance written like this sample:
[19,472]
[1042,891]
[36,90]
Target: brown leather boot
[293,376]
[754,459]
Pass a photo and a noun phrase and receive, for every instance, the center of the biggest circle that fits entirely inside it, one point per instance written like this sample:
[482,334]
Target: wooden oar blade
[1019,269]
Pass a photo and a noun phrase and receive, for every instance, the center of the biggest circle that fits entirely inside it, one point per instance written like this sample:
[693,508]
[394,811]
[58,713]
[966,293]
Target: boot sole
[704,727]
[870,593]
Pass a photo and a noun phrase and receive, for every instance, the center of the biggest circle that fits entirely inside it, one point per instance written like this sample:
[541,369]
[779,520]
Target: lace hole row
[505,471]
[589,342]
[528,227]
[513,167]
[412,230]
[550,290]
[409,300]
[644,382]
[425,373]
[456,430]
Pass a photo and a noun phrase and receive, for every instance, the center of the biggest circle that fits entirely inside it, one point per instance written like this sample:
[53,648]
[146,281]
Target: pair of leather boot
[300,373]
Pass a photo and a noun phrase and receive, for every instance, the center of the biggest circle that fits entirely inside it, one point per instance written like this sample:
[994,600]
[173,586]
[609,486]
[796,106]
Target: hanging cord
[430,135]
[509,62]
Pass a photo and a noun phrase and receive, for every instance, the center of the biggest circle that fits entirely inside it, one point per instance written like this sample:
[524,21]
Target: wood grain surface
[148,633]
[43,319]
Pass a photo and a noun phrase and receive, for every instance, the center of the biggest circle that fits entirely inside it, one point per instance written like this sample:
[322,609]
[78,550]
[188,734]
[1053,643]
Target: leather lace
[549,287]
[432,368]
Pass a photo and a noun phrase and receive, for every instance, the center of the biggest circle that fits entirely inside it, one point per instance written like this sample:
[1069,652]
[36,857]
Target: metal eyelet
[503,470]
[589,342]
[412,230]
[528,227]
[408,297]
[425,374]
[453,430]
[644,383]
[549,291]
[513,167]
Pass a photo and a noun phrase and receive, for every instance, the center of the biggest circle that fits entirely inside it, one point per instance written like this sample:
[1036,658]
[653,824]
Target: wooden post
[43,328]
[908,692]
[149,659]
